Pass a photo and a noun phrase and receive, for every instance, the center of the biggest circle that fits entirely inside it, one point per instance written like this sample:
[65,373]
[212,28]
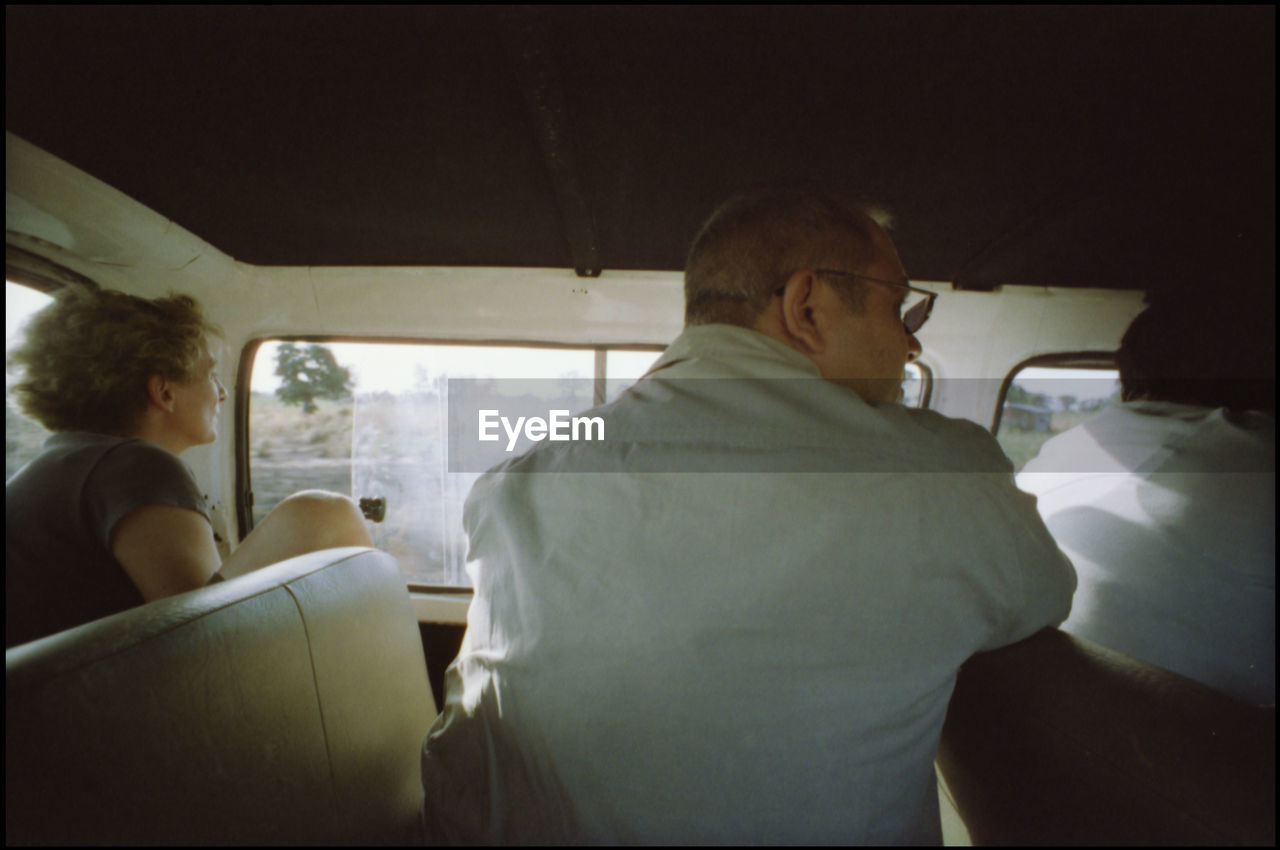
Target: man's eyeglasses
[916,307]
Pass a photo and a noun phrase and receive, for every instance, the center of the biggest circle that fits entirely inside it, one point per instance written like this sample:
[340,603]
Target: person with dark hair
[738,618]
[1166,502]
[108,517]
[1204,355]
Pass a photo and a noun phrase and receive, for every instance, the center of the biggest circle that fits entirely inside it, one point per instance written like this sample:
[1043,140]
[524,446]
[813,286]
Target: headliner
[1118,147]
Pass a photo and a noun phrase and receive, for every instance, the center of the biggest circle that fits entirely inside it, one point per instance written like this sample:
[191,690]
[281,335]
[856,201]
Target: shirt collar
[731,351]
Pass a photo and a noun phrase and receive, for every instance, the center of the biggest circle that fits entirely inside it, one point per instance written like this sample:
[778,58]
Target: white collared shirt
[1168,512]
[744,626]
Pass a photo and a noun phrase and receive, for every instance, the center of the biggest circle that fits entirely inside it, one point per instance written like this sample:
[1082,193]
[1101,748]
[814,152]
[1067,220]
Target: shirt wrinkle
[723,655]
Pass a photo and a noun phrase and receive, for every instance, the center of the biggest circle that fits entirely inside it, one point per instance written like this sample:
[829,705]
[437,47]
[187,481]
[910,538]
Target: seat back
[286,706]
[1056,740]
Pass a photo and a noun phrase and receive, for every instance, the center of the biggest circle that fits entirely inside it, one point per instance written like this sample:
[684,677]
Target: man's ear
[799,299]
[160,393]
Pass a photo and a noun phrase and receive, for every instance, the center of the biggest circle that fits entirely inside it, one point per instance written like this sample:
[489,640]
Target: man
[1166,502]
[739,617]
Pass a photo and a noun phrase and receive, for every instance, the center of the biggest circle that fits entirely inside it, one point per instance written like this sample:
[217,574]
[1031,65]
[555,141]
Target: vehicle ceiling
[1128,147]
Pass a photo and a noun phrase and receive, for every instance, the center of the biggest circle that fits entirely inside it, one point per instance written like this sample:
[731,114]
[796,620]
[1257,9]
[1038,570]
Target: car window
[624,368]
[917,385]
[1044,400]
[22,436]
[371,420]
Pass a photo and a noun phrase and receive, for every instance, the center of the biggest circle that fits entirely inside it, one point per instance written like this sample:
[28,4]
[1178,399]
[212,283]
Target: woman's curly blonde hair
[86,357]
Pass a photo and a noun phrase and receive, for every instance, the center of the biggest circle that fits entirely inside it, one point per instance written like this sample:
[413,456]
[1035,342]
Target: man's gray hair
[756,240]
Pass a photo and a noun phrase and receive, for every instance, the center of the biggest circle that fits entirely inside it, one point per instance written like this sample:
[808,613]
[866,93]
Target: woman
[107,517]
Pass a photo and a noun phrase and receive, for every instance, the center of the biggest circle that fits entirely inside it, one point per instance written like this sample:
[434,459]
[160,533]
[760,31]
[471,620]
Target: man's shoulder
[820,438]
[947,427]
[1143,436]
[957,441]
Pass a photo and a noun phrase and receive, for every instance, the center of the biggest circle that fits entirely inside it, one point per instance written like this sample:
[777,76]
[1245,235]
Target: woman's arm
[165,550]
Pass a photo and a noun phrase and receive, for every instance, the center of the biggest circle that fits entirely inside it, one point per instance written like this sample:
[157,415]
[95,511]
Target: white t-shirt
[743,625]
[1168,513]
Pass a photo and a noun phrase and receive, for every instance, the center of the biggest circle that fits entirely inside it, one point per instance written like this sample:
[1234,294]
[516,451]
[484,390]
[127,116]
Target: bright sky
[1081,383]
[19,303]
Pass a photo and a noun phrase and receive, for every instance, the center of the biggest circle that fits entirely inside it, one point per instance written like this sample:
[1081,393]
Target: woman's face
[195,420]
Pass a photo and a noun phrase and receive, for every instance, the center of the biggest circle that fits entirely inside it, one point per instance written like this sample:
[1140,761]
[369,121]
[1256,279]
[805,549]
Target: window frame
[1056,360]
[31,270]
[926,379]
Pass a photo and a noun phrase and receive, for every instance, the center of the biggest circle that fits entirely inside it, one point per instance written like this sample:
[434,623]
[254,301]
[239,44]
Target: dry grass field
[290,450]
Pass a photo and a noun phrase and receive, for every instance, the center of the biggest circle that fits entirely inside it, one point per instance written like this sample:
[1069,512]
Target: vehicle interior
[454,192]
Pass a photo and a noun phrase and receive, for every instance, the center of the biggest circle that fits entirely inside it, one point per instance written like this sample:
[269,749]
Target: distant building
[1027,417]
